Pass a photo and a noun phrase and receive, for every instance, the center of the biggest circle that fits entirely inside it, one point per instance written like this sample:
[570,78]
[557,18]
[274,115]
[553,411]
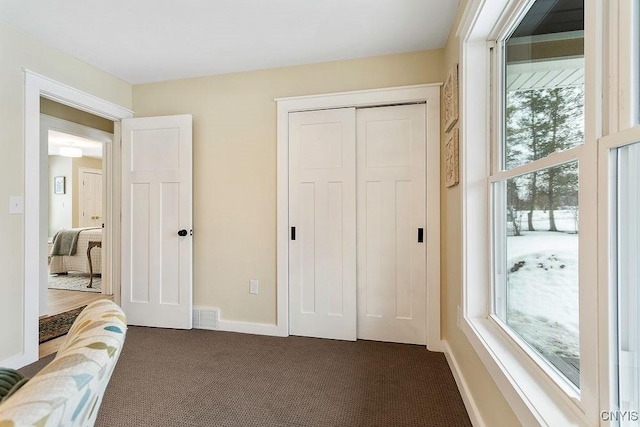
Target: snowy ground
[542,285]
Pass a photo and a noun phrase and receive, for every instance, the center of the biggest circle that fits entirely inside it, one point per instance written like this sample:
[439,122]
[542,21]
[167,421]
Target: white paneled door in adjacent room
[91,198]
[357,258]
[157,221]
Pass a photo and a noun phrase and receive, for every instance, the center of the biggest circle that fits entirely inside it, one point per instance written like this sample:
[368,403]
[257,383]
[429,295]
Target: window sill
[535,398]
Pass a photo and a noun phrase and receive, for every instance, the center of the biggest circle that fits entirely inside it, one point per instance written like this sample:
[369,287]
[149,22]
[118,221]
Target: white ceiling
[143,41]
[59,139]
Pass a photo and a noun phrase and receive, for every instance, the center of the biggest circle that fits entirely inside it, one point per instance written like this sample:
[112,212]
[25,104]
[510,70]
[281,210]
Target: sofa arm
[69,391]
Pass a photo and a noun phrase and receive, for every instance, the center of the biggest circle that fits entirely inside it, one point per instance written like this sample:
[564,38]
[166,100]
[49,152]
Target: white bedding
[79,261]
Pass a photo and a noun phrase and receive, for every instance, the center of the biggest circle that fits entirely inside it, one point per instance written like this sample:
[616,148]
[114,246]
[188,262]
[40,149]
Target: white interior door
[322,250]
[91,199]
[391,210]
[157,221]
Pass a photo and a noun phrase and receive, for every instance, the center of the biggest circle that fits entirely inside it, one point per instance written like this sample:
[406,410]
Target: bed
[79,261]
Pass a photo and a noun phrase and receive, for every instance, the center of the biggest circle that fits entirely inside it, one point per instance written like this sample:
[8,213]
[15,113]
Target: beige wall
[19,51]
[64,112]
[64,209]
[80,162]
[492,406]
[234,169]
[60,205]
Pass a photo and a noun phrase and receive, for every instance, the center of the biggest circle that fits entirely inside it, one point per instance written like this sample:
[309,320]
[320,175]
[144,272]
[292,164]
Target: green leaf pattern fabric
[69,390]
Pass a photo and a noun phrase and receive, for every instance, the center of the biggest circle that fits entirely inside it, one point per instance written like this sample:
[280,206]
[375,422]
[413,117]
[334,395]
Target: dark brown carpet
[209,379]
[57,325]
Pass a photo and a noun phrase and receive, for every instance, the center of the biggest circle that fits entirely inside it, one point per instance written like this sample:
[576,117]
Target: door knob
[182,232]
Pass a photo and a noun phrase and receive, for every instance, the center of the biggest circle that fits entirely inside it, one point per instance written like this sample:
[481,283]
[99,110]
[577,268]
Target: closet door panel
[322,203]
[391,209]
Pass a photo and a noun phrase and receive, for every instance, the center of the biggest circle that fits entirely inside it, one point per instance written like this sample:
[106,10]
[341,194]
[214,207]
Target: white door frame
[35,195]
[428,93]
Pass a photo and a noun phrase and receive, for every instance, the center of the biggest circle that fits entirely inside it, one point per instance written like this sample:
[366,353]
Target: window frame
[623,128]
[624,68]
[534,393]
[608,294]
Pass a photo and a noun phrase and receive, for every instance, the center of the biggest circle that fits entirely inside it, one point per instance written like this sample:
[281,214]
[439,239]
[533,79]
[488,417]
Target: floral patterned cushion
[69,390]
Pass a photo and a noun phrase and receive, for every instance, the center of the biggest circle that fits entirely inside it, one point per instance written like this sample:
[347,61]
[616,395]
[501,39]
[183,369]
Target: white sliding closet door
[391,210]
[322,211]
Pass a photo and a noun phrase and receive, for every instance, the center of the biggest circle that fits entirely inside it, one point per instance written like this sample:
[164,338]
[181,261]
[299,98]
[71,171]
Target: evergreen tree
[526,135]
[565,124]
[539,123]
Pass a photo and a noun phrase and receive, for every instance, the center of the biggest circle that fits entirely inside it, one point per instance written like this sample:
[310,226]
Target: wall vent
[206,318]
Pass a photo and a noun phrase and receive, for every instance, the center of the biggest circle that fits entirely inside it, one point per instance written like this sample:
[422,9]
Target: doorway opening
[36,201]
[76,250]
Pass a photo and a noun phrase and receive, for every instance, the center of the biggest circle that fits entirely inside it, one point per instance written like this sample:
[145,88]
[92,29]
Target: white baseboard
[16,362]
[469,403]
[250,328]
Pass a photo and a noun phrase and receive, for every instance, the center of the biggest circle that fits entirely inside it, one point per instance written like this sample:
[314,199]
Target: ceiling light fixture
[70,152]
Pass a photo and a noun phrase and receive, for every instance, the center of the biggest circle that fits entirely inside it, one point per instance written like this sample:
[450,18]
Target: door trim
[429,94]
[35,194]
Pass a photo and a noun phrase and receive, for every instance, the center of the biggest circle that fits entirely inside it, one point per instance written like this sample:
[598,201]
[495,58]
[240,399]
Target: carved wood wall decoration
[450,99]
[452,167]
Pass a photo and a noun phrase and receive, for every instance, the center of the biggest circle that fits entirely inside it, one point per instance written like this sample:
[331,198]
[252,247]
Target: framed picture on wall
[59,185]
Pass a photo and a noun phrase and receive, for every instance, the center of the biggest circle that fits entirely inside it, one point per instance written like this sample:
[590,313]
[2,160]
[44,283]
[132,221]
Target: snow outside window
[535,195]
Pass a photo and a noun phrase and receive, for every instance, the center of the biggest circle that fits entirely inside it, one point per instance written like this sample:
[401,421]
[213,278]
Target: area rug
[57,325]
[74,282]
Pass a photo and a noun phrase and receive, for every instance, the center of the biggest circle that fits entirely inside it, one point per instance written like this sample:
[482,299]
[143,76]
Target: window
[530,277]
[627,272]
[620,163]
[535,197]
[551,186]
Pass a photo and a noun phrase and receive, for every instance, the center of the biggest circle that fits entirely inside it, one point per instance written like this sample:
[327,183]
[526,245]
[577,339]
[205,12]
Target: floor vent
[206,318]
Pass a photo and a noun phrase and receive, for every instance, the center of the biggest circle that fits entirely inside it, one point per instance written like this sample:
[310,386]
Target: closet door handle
[420,235]
[293,233]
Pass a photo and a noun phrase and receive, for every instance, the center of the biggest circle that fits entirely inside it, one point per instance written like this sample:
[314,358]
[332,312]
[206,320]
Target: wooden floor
[50,347]
[59,301]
